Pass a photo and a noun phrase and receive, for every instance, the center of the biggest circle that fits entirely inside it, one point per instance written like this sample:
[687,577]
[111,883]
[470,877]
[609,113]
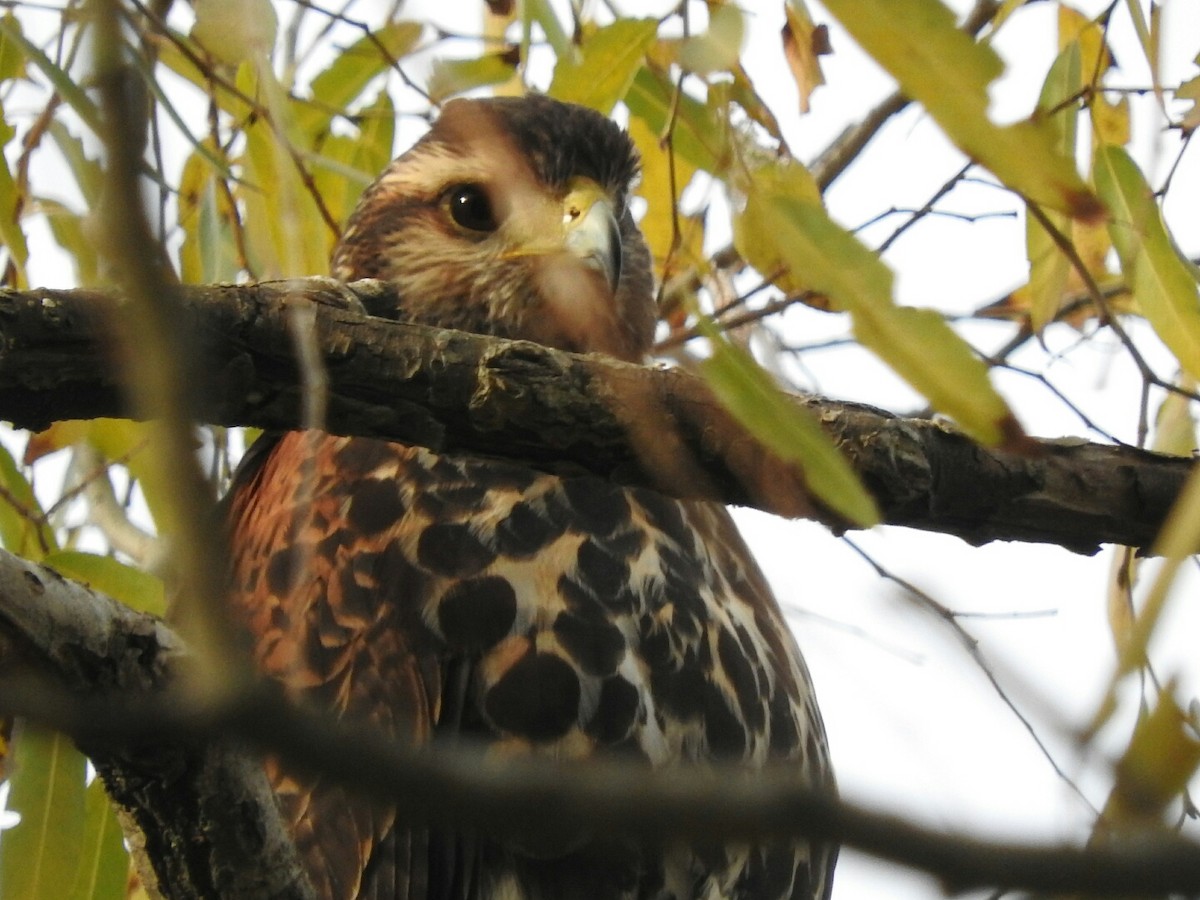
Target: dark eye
[470,207]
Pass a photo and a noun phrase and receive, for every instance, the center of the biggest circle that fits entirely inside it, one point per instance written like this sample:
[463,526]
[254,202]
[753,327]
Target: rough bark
[637,425]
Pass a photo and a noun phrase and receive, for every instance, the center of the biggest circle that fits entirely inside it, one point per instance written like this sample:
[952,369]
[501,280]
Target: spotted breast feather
[558,616]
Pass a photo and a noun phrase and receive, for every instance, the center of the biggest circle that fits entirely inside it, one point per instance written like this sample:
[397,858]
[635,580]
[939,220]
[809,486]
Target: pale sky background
[916,728]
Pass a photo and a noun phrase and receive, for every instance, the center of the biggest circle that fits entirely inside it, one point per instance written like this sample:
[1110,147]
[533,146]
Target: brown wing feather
[319,588]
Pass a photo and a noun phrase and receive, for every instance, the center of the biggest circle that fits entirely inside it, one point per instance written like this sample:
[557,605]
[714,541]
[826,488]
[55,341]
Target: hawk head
[511,217]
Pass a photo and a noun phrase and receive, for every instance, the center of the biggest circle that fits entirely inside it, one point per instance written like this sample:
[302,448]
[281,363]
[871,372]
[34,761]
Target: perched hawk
[552,614]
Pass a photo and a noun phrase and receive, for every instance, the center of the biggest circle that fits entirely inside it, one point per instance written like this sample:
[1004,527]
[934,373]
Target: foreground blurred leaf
[791,432]
[943,68]
[38,857]
[603,68]
[1161,758]
[916,343]
[1162,284]
[103,867]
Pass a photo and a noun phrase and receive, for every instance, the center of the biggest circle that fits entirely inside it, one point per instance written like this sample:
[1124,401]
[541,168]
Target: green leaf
[12,54]
[38,856]
[698,135]
[456,76]
[103,868]
[11,234]
[1048,266]
[136,589]
[943,68]
[353,70]
[348,164]
[23,528]
[1163,286]
[601,72]
[916,343]
[790,431]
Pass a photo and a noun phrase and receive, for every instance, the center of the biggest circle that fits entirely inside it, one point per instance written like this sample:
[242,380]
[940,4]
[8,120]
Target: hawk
[546,613]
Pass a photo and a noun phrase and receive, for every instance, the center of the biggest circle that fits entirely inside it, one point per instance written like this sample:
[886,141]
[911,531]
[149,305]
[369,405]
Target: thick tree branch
[110,677]
[641,426]
[200,814]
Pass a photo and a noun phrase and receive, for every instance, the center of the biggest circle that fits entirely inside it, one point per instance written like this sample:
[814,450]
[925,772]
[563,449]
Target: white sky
[915,727]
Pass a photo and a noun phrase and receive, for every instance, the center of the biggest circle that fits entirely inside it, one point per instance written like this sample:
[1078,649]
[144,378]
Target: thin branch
[455,785]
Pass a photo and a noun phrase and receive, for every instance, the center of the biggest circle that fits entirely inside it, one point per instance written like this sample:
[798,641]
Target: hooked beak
[590,231]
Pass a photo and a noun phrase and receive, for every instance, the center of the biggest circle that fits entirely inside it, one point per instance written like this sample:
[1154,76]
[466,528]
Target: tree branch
[110,677]
[200,813]
[452,391]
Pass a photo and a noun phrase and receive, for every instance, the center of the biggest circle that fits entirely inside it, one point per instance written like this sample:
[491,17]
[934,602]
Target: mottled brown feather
[446,597]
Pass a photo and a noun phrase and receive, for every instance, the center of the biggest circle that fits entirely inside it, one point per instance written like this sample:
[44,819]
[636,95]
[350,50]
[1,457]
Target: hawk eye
[470,207]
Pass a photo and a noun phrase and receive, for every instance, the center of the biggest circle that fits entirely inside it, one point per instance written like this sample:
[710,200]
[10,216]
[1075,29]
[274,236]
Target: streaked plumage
[547,613]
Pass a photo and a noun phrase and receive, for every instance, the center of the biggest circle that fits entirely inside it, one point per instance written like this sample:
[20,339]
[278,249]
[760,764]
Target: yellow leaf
[208,253]
[286,233]
[601,72]
[943,68]
[655,187]
[785,179]
[1162,756]
[1162,284]
[803,45]
[1190,90]
[1048,265]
